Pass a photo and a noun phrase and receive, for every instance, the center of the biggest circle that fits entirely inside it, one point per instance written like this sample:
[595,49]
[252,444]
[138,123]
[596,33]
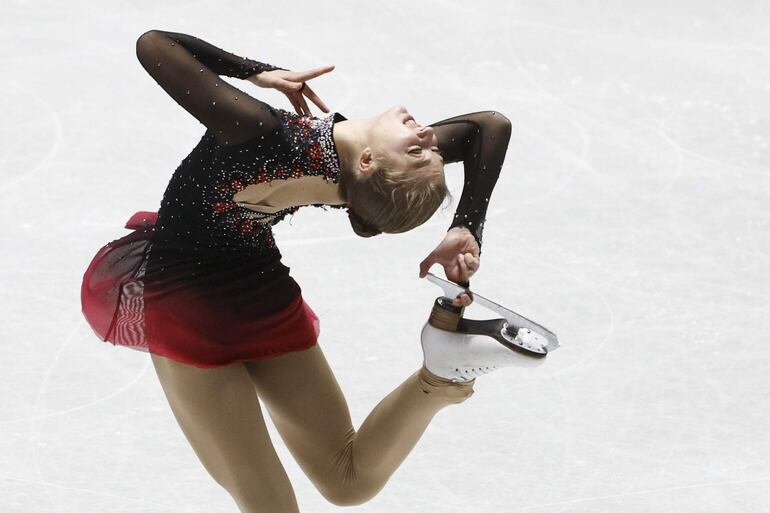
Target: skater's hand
[458,253]
[290,84]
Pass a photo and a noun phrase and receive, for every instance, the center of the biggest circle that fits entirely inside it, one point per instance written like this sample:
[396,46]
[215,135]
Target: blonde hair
[392,200]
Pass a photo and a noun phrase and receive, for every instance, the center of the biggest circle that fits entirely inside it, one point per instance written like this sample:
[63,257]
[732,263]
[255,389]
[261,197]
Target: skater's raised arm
[480,141]
[188,69]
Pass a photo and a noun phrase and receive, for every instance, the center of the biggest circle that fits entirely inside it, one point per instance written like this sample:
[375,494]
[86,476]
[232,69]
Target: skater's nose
[425,132]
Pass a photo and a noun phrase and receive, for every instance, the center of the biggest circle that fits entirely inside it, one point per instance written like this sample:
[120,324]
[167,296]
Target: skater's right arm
[480,141]
[188,69]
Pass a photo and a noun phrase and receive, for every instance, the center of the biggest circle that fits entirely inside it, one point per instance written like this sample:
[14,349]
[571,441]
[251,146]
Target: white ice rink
[632,217]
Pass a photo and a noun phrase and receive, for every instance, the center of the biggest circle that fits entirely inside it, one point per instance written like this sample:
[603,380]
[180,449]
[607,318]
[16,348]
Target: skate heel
[444,315]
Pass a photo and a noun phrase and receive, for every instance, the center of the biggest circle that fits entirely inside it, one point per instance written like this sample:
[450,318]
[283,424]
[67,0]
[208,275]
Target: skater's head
[393,176]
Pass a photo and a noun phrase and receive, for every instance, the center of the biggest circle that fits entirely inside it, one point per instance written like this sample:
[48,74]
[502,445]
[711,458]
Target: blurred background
[631,217]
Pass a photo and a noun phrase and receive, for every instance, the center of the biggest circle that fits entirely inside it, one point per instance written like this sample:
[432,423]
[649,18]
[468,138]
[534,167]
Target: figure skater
[200,284]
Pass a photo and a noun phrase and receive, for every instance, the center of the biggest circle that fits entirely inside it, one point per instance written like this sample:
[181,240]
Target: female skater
[201,286]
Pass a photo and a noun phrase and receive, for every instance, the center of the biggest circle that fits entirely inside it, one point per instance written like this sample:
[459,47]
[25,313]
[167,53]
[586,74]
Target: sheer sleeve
[480,141]
[188,69]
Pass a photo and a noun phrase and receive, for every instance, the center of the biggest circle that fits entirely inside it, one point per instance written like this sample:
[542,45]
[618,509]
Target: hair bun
[361,227]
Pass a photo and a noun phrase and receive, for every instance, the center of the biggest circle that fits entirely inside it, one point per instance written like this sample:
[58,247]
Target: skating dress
[201,280]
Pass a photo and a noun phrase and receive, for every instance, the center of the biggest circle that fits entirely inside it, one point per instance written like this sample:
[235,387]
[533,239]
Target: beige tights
[219,414]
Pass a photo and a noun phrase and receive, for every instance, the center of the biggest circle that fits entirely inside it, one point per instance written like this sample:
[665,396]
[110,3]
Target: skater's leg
[219,414]
[310,412]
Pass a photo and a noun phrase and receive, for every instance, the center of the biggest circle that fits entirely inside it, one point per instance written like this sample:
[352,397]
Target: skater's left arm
[480,141]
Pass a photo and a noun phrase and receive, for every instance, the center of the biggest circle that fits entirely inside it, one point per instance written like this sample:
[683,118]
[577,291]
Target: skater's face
[396,137]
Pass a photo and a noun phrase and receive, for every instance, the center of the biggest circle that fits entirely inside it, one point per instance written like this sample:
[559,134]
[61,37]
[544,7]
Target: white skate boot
[460,349]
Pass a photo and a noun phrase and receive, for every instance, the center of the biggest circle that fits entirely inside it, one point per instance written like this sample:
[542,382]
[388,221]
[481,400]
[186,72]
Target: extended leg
[219,414]
[311,414]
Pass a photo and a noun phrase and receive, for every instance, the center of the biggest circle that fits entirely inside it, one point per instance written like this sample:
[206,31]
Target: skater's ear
[367,164]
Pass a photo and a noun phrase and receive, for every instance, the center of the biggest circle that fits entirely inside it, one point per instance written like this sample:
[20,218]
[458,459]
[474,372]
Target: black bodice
[248,141]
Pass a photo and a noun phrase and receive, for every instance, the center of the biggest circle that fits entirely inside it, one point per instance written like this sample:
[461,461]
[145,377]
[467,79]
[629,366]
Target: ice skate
[460,349]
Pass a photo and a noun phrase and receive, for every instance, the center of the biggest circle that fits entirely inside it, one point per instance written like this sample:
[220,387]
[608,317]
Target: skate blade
[515,321]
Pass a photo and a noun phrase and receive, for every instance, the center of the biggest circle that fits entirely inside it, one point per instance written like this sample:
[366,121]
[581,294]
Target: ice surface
[631,217]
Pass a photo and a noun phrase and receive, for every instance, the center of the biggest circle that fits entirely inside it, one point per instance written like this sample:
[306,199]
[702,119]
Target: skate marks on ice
[41,440]
[591,111]
[688,290]
[40,411]
[83,406]
[652,491]
[49,440]
[40,489]
[21,143]
[637,141]
[51,337]
[56,345]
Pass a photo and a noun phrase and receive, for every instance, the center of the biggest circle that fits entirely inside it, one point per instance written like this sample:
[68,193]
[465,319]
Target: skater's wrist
[460,227]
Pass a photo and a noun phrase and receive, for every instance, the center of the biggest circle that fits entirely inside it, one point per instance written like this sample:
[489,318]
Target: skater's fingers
[294,103]
[303,103]
[425,266]
[469,262]
[307,91]
[462,300]
[465,273]
[303,76]
[472,261]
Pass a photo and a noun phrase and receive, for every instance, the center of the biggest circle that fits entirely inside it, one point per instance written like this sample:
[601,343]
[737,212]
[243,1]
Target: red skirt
[196,312]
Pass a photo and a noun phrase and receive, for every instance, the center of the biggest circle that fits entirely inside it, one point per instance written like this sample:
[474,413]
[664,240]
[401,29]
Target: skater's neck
[350,138]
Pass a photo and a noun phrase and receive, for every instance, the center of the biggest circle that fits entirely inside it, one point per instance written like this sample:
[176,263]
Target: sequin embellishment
[299,146]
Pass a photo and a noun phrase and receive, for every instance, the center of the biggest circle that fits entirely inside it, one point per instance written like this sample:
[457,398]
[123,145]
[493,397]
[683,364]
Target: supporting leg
[219,414]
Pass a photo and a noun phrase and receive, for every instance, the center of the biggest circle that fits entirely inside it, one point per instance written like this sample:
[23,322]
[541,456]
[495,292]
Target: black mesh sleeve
[480,141]
[188,69]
